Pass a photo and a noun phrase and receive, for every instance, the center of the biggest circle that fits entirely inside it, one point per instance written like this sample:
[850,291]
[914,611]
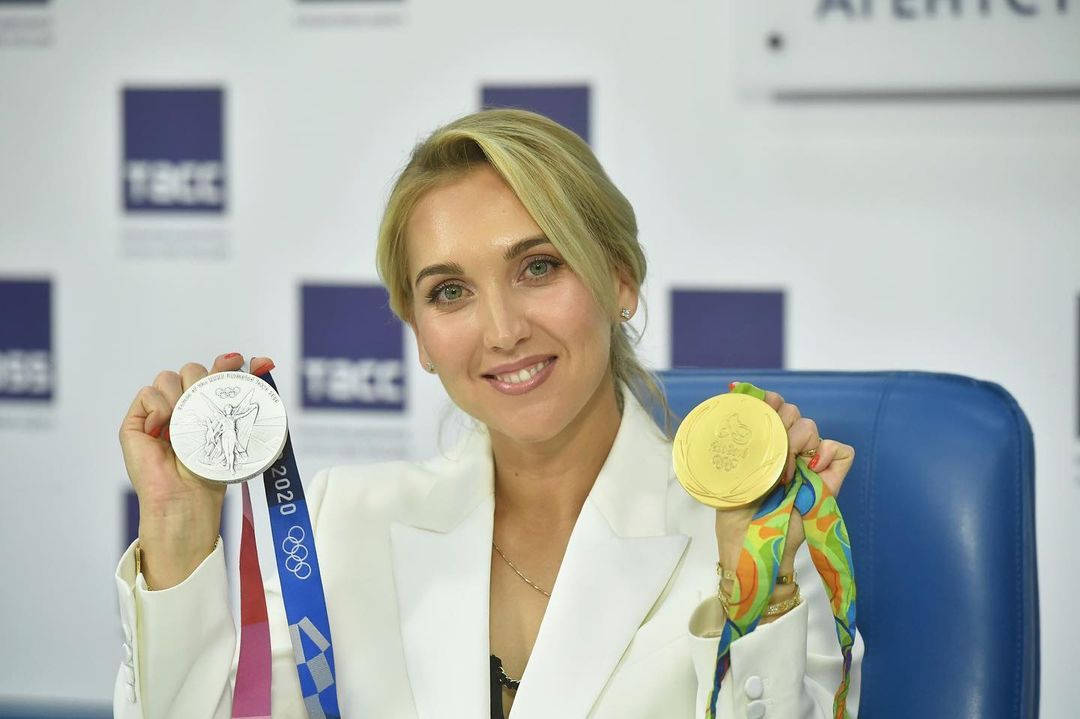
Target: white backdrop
[907,234]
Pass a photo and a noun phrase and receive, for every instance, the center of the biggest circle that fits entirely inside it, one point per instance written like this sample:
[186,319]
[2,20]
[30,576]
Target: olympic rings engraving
[296,553]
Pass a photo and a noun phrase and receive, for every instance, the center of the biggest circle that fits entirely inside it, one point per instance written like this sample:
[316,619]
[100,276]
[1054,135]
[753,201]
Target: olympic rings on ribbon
[296,553]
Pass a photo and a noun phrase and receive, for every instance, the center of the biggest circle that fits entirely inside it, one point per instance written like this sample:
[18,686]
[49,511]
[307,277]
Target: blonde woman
[549,564]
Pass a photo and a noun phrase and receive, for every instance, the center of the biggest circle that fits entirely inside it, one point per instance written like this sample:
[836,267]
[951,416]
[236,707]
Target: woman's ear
[626,293]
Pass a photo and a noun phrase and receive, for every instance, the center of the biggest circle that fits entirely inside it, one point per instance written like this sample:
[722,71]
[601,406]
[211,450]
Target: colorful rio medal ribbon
[230,427]
[730,451]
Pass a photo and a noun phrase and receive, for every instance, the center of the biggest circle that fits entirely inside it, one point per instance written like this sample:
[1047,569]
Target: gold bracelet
[775,610]
[788,578]
[772,610]
[725,573]
[138,560]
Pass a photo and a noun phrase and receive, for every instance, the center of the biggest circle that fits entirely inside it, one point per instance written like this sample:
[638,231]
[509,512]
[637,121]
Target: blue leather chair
[940,509]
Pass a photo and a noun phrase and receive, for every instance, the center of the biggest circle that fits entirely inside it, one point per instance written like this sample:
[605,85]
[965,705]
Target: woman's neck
[544,484]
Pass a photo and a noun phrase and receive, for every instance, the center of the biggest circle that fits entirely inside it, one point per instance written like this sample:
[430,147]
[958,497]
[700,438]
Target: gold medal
[730,450]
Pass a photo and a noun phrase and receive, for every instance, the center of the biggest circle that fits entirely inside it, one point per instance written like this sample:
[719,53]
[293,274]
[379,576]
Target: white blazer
[405,554]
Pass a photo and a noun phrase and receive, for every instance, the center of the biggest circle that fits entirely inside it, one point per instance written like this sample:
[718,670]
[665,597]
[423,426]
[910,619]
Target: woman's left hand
[832,463]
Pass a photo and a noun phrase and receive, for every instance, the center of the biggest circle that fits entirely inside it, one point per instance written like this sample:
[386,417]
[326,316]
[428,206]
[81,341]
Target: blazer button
[754,687]
[755,710]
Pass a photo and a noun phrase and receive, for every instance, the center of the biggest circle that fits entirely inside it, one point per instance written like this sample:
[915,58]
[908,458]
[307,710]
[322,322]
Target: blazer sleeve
[180,644]
[790,667]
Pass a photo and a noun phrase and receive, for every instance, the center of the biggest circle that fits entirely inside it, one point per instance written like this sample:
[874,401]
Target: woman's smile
[521,377]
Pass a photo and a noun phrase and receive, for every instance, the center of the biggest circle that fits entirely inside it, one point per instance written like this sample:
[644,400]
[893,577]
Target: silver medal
[228,427]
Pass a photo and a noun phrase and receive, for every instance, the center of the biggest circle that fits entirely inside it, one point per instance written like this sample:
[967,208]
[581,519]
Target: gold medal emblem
[730,450]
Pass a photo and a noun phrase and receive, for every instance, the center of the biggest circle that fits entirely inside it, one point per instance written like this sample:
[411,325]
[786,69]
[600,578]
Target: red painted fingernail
[263,368]
[731,387]
[813,462]
[231,355]
[155,432]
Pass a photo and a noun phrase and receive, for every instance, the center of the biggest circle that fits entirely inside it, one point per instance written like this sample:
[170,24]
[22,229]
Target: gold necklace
[518,571]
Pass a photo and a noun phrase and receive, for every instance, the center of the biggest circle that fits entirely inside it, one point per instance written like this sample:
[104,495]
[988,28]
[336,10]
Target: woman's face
[494,302]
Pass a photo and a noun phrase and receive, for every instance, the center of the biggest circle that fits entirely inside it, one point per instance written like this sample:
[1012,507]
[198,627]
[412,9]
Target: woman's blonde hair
[559,181]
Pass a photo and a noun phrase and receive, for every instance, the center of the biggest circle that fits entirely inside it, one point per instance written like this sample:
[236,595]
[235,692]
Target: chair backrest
[940,510]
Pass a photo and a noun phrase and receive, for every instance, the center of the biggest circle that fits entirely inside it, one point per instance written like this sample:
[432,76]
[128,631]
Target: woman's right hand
[179,513]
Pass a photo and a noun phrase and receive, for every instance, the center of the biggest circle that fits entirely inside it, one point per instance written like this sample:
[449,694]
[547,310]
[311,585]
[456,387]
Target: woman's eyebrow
[523,245]
[453,268]
[443,268]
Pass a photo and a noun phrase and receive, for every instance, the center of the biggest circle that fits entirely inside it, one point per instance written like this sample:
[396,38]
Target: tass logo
[727,328]
[353,346]
[567,105]
[173,150]
[26,365]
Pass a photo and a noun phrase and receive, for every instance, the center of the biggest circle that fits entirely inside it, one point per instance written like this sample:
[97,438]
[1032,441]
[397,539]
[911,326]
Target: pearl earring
[429,367]
[624,313]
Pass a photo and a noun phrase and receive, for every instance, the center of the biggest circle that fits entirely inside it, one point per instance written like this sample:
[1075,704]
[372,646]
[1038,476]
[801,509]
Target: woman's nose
[505,323]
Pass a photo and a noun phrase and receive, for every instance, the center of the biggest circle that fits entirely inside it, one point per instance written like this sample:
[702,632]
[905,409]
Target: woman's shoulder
[398,489]
[387,488]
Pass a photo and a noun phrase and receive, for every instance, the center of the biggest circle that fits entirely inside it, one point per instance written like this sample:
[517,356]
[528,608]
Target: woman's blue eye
[539,268]
[446,293]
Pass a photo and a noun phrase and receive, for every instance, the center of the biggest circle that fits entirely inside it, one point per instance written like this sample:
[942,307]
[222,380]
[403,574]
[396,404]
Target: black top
[496,688]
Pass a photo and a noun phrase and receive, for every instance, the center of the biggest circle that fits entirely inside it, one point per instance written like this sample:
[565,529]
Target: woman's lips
[515,388]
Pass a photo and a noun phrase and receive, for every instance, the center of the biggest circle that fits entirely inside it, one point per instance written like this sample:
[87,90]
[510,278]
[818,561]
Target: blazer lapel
[618,561]
[442,564]
[605,588]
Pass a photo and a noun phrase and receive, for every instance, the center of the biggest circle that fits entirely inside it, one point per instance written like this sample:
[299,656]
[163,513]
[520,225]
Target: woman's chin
[527,427]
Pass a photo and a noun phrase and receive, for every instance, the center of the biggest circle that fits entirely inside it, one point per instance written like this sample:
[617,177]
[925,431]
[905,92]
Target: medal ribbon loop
[301,592]
[759,561]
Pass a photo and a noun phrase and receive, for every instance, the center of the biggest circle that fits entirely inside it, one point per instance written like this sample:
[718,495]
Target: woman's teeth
[522,374]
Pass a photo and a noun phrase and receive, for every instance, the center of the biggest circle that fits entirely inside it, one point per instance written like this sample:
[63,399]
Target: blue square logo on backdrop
[727,328]
[353,348]
[174,158]
[26,361]
[567,105]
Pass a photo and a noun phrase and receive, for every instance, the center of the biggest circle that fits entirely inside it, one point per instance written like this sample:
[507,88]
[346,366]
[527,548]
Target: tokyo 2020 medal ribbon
[230,427]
